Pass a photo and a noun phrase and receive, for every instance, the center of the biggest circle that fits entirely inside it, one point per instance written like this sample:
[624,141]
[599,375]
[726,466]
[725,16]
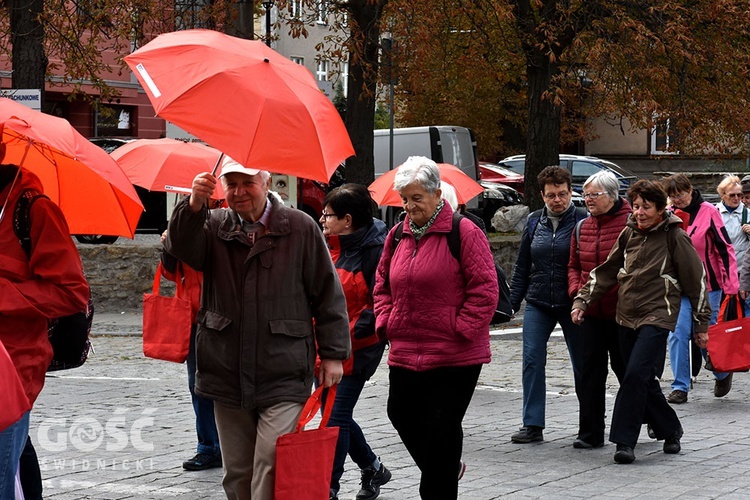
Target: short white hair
[420,170]
[449,194]
[607,181]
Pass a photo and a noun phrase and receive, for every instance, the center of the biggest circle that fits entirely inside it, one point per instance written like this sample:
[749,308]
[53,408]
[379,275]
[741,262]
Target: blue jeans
[205,423]
[538,323]
[351,439]
[679,341]
[12,441]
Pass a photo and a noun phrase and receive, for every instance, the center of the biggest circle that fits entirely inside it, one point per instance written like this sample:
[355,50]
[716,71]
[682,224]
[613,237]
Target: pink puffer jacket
[434,310]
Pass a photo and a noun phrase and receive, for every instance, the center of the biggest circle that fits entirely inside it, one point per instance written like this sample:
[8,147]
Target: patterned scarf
[418,232]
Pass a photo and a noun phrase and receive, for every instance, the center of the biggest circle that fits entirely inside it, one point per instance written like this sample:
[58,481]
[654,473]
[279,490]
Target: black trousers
[640,398]
[29,472]
[601,347]
[427,408]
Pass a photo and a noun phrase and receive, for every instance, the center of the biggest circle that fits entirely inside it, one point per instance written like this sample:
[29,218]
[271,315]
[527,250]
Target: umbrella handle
[218,162]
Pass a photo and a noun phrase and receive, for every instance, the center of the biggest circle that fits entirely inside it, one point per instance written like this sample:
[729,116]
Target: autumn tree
[354,37]
[84,41]
[628,60]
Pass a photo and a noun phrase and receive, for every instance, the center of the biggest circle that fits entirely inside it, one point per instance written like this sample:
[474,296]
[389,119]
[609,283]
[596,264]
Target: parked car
[581,168]
[495,196]
[493,172]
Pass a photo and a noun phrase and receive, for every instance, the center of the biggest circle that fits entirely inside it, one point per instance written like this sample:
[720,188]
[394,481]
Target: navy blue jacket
[541,272]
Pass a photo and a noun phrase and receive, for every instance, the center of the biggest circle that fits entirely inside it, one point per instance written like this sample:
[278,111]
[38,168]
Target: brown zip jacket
[256,341]
[654,268]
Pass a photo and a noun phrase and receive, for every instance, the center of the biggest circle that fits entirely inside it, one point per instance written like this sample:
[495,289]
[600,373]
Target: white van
[441,143]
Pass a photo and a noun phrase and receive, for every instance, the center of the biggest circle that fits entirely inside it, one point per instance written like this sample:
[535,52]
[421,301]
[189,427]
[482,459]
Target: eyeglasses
[552,196]
[326,215]
[680,196]
[733,195]
[593,196]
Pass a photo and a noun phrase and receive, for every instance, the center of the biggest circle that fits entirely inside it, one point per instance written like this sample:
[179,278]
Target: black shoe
[527,434]
[677,397]
[202,461]
[583,445]
[722,387]
[672,443]
[333,496]
[372,480]
[650,431]
[624,454]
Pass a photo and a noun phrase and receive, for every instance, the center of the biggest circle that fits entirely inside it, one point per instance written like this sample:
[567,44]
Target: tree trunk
[543,137]
[29,60]
[360,99]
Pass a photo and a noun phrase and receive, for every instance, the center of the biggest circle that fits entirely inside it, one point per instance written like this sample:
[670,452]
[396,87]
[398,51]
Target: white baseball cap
[228,166]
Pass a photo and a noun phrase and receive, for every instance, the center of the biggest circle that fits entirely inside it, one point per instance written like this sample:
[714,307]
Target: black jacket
[541,272]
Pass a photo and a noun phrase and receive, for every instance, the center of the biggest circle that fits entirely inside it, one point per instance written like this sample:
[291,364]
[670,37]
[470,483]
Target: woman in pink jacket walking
[435,309]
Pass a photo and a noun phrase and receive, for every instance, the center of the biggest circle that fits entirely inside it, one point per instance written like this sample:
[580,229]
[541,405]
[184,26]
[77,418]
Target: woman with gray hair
[435,309]
[593,238]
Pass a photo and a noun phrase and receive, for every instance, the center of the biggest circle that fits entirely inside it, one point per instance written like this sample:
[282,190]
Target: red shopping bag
[166,323]
[304,459]
[729,345]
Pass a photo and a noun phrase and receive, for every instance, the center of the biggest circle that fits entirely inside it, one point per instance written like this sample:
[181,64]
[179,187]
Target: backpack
[69,335]
[503,311]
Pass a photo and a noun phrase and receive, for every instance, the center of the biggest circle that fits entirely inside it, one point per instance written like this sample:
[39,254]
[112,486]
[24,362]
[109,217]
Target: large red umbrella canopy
[466,188]
[244,99]
[92,191]
[166,164]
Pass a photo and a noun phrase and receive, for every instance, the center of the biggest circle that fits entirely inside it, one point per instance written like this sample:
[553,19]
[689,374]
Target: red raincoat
[48,284]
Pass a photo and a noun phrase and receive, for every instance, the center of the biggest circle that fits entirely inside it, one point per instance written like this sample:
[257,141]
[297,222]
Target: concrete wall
[119,275]
[615,139]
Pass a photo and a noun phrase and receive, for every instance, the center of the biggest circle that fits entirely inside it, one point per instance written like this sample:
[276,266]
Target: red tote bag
[304,459]
[166,323]
[729,345]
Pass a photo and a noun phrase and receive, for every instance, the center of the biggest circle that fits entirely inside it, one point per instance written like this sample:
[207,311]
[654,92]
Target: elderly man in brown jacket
[271,297]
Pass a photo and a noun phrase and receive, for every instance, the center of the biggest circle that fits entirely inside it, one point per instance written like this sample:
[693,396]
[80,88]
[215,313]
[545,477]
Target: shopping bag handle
[178,280]
[312,406]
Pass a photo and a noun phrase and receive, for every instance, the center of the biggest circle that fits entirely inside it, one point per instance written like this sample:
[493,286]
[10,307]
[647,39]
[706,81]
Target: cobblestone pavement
[120,427]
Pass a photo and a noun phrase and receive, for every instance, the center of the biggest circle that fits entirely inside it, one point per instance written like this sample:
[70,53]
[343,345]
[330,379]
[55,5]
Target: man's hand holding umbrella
[204,185]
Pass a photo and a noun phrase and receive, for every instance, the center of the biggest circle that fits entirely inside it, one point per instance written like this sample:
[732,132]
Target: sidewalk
[120,426]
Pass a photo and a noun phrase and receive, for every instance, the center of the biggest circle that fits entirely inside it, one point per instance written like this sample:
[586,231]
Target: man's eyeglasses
[552,196]
[326,215]
[593,196]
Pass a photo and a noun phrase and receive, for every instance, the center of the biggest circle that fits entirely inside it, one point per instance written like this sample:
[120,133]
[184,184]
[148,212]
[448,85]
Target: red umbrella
[92,191]
[466,187]
[244,99]
[166,164]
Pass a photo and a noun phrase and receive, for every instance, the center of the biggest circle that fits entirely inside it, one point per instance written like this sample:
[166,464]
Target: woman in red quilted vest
[593,238]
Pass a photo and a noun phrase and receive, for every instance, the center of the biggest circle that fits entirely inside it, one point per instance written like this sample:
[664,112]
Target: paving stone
[120,427]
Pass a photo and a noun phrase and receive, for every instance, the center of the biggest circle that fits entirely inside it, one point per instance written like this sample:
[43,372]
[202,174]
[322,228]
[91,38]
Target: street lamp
[387,47]
[267,4]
